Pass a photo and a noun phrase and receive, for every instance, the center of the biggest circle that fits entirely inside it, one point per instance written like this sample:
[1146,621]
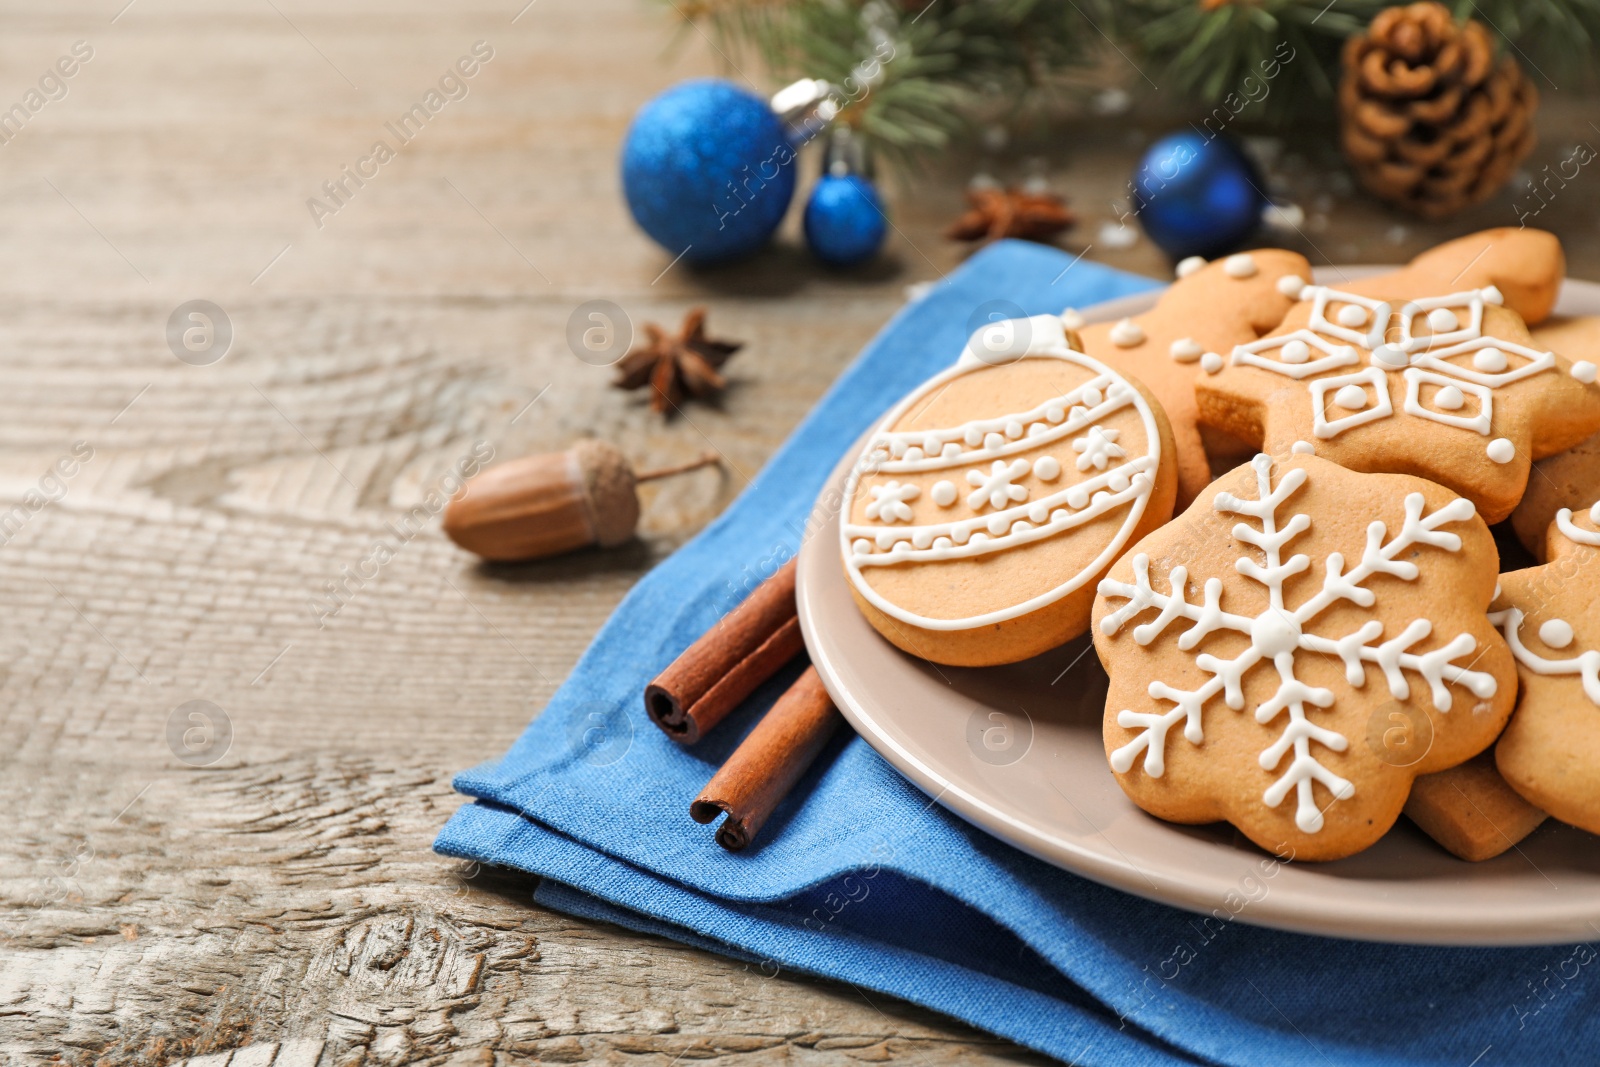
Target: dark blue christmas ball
[845,222]
[1197,195]
[708,171]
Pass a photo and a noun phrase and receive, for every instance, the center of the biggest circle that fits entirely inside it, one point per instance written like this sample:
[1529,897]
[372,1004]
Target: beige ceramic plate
[1017,751]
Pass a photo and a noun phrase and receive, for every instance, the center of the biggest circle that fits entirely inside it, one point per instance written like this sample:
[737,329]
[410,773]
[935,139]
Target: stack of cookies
[1271,501]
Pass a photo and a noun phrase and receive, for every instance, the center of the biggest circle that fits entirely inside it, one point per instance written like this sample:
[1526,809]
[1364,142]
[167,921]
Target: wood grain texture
[281,899]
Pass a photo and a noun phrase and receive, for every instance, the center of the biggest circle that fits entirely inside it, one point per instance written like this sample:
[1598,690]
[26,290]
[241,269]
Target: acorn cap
[608,491]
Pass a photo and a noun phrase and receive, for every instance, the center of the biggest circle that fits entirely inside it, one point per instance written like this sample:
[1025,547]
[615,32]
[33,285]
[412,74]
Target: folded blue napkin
[859,877]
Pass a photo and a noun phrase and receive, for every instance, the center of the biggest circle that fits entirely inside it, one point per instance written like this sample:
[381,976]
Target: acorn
[545,505]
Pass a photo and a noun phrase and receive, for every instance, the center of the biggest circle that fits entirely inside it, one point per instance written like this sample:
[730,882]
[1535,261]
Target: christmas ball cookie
[988,502]
[1550,751]
[1391,375]
[1263,646]
[1199,319]
[1567,479]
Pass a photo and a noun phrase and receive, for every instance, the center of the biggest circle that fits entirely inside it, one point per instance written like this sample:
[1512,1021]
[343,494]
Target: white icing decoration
[1097,448]
[1186,350]
[1211,362]
[1455,330]
[1392,357]
[1584,371]
[1071,319]
[1189,265]
[1501,450]
[1303,448]
[1585,664]
[1278,632]
[1126,334]
[1557,633]
[891,502]
[1125,489]
[1352,315]
[1491,360]
[998,486]
[1006,341]
[1291,286]
[944,493]
[1442,320]
[1046,469]
[1326,428]
[1417,378]
[1352,397]
[1242,265]
[1575,533]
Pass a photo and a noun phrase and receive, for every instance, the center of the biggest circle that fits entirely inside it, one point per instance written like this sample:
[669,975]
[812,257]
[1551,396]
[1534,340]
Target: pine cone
[1429,119]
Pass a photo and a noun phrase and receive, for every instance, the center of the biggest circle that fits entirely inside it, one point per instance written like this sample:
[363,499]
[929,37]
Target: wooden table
[281,899]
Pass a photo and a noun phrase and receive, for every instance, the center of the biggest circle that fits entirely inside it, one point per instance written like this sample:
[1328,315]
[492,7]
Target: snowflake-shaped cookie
[1449,386]
[1550,752]
[1309,621]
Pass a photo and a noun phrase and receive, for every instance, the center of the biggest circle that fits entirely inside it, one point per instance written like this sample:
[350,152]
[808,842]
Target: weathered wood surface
[282,900]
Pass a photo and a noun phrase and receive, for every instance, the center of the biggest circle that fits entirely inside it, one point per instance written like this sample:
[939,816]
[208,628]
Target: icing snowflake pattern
[1425,362]
[1280,632]
[1097,448]
[998,487]
[891,502]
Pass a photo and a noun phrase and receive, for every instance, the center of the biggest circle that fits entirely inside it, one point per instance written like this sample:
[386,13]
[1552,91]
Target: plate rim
[1351,917]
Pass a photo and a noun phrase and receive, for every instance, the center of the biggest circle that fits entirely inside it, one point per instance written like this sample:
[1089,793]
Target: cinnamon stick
[768,763]
[728,662]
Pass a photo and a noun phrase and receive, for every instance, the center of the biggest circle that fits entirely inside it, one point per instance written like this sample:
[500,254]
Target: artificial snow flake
[1279,633]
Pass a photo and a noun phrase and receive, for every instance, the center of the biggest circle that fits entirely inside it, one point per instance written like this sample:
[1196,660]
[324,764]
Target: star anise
[673,366]
[994,213]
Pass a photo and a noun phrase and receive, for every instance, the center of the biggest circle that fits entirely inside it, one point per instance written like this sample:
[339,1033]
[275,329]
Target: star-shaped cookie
[1550,751]
[1402,373]
[1199,319]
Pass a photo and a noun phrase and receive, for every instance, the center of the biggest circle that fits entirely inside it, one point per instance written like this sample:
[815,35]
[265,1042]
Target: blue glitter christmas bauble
[845,222]
[708,171]
[1197,196]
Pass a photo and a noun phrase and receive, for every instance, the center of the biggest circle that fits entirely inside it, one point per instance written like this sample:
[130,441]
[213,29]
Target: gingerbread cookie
[987,503]
[1527,266]
[1550,751]
[1567,479]
[1388,375]
[1261,646]
[1471,811]
[1199,319]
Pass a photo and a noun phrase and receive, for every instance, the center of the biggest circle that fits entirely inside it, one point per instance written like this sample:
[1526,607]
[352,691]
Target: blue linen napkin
[860,878]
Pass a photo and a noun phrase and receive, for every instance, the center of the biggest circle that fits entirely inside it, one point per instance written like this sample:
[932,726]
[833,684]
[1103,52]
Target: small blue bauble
[1197,196]
[707,167]
[845,222]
